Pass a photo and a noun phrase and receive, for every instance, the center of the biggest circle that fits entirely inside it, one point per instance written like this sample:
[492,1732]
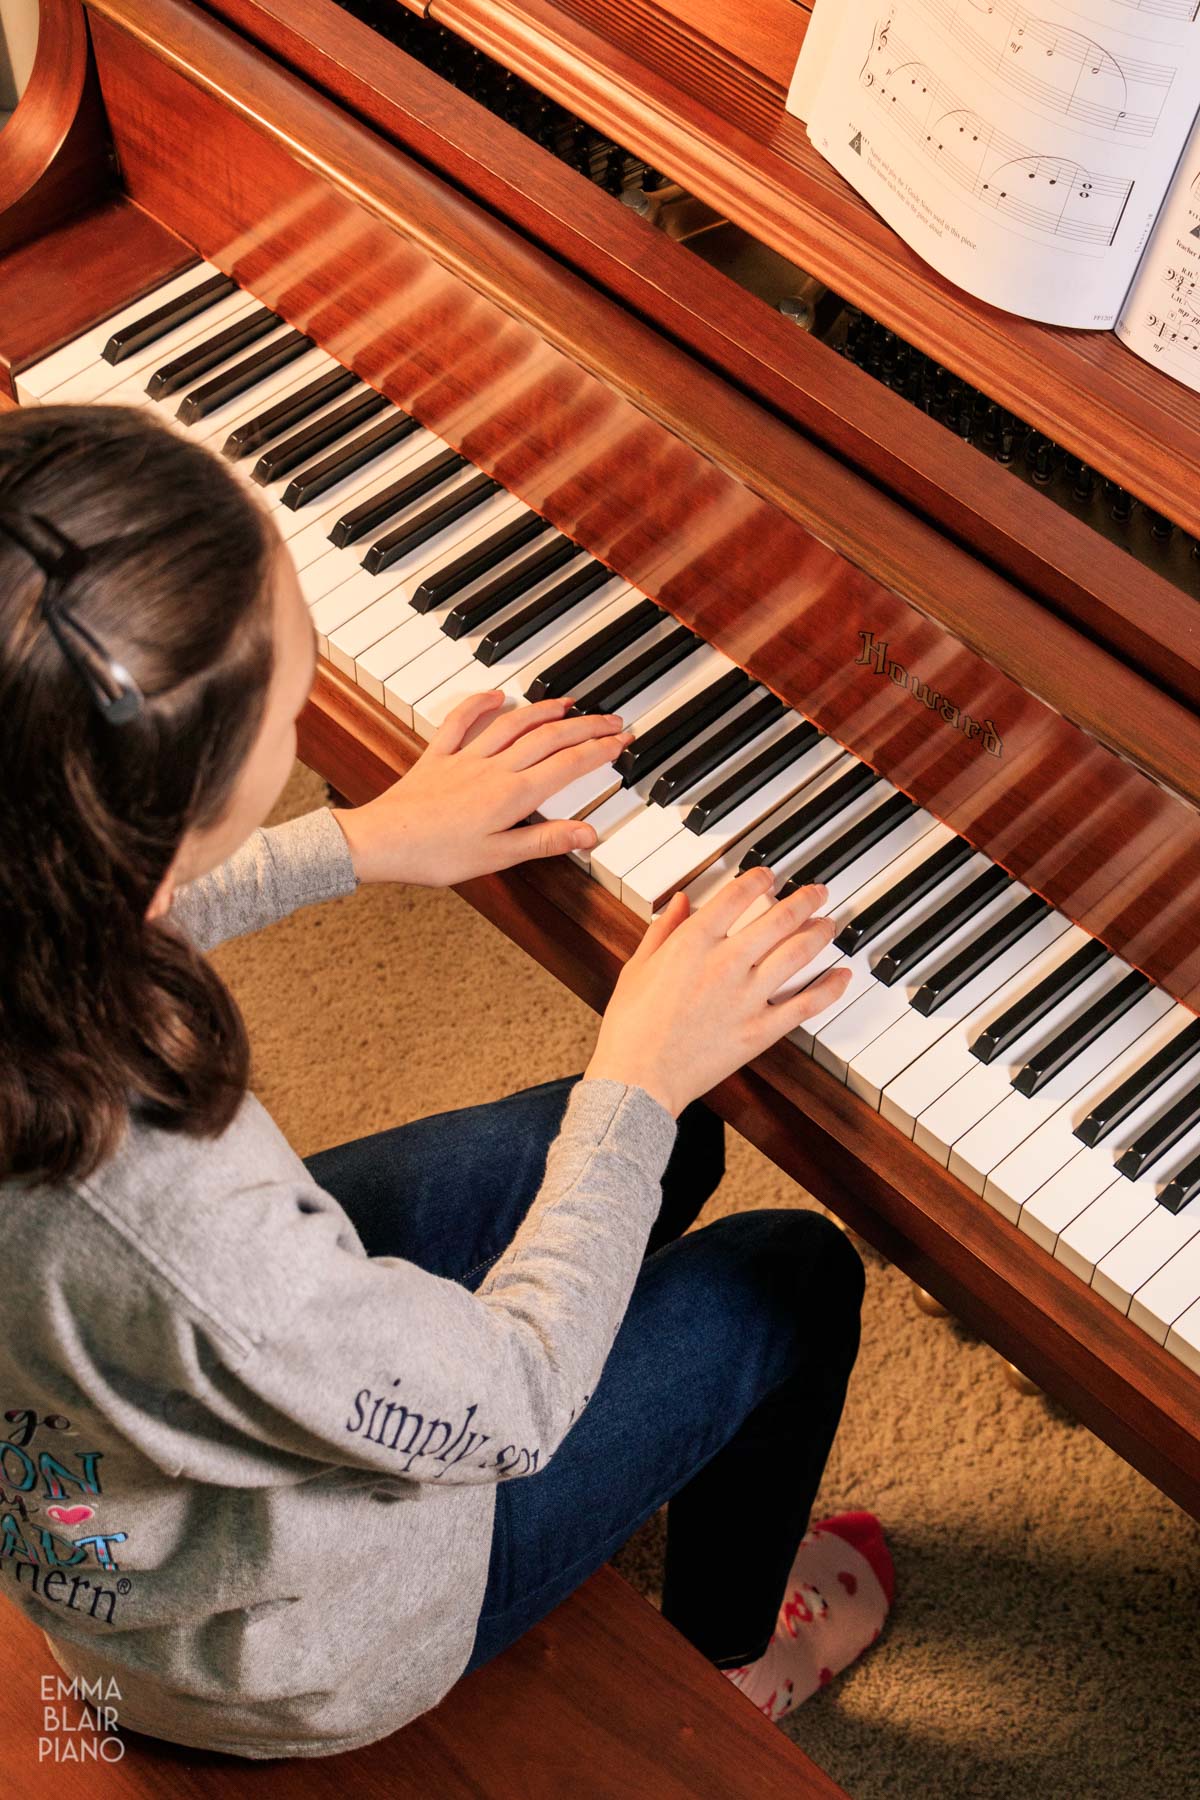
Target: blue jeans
[721,1394]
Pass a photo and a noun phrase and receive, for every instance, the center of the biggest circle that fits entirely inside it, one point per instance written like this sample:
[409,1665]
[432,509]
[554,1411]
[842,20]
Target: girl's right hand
[692,1003]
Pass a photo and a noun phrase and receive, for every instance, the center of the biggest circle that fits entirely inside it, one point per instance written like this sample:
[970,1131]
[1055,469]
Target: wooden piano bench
[601,1701]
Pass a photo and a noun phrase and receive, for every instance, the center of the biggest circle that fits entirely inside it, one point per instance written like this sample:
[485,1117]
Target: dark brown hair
[102,1012]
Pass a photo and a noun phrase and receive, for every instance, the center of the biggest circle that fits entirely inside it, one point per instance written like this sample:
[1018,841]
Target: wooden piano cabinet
[1150,624]
[53,157]
[72,247]
[744,530]
[1034,1311]
[697,87]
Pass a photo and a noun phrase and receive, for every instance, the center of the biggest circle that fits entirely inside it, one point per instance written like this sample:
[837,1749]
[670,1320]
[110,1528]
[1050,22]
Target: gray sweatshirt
[249,1472]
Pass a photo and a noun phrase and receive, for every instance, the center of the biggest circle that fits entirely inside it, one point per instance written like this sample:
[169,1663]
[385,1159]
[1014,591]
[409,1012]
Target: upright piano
[565,365]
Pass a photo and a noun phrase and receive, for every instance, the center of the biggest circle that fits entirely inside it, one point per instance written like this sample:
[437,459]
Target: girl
[294,1445]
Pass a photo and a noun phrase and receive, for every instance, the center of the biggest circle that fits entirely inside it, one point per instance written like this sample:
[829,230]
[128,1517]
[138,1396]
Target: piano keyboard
[1057,1083]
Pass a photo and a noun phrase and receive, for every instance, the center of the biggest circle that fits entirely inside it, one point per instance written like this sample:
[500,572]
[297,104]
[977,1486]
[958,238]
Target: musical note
[1062,72]
[1049,194]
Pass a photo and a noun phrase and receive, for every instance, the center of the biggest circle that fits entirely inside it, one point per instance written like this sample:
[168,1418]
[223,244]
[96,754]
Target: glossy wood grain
[602,1691]
[697,87]
[54,159]
[702,500]
[1036,1313]
[45,303]
[1095,584]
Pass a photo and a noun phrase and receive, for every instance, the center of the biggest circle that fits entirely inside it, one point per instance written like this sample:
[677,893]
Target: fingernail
[614,721]
[821,892]
[626,737]
[580,838]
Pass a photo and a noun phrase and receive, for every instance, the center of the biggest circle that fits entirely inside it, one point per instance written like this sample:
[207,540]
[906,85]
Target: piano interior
[576,361]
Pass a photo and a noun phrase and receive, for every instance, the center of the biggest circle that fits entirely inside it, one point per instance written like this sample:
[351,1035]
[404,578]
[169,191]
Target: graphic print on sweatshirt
[49,1490]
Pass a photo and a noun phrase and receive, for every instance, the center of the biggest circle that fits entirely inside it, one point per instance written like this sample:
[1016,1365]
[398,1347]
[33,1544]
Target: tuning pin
[1008,445]
[651,179]
[1042,465]
[1120,503]
[1085,483]
[1161,527]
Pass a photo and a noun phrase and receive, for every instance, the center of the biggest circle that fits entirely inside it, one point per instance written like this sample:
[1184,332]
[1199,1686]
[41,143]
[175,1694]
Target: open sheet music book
[1045,158]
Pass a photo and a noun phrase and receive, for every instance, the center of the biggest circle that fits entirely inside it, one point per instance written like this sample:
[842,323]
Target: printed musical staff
[1050,194]
[1186,10]
[1063,72]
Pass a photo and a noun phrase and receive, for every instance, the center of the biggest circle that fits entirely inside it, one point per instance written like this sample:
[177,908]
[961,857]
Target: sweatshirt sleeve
[317,1351]
[277,870]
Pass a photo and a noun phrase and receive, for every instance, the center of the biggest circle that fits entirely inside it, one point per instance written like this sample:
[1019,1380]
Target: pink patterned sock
[834,1606]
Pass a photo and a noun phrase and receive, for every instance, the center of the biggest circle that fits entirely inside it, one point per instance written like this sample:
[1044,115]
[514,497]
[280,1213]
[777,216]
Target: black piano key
[283,457]
[1024,1014]
[606,642]
[1074,1039]
[245,374]
[1182,1187]
[538,613]
[387,501]
[717,749]
[975,956]
[809,816]
[189,365]
[862,930]
[720,800]
[653,747]
[479,560]
[285,413]
[1158,1138]
[851,845]
[1108,1113]
[616,689]
[925,938]
[437,517]
[315,479]
[154,325]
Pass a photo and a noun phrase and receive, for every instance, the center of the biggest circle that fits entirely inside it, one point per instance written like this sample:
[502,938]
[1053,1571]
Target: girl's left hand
[458,811]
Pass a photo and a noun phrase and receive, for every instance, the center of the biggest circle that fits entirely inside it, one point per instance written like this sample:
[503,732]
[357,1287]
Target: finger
[559,771]
[504,731]
[789,1014]
[780,921]
[662,925]
[561,734]
[729,902]
[454,727]
[790,958]
[547,837]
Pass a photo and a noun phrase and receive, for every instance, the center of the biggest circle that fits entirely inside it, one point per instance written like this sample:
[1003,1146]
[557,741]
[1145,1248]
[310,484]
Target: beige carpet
[1044,1641]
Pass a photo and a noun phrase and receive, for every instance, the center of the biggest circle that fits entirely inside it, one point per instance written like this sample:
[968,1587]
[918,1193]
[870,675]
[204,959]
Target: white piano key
[1147,1249]
[124,383]
[1183,1339]
[682,858]
[909,843]
[1102,1225]
[1067,1194]
[654,826]
[447,657]
[1027,1168]
[216,426]
[602,607]
[377,604]
[67,363]
[868,1008]
[311,543]
[1168,1294]
[910,1067]
[953,1127]
[579,798]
